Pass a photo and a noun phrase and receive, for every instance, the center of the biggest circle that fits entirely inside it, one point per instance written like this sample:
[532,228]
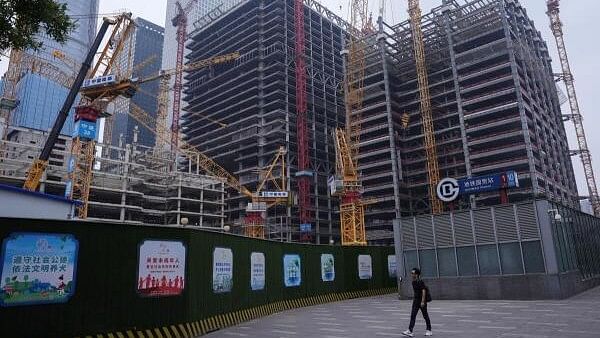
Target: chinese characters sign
[479,184]
[161,270]
[257,271]
[38,268]
[222,270]
[365,267]
[327,268]
[392,268]
[291,270]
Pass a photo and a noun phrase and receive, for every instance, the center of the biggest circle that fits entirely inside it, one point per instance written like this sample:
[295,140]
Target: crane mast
[180,21]
[347,141]
[433,169]
[567,77]
[304,174]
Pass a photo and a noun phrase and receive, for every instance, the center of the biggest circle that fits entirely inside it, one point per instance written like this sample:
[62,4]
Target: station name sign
[449,188]
[274,194]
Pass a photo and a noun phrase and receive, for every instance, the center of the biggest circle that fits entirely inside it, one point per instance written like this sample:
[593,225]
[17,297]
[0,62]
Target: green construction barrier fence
[103,299]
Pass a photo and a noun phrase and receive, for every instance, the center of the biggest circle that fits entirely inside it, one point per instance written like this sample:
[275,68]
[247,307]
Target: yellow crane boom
[433,169]
[254,223]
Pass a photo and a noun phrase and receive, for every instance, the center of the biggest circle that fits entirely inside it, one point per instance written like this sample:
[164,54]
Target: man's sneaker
[428,333]
[408,333]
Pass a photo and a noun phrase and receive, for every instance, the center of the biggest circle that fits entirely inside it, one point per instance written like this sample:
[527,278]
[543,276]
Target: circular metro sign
[448,189]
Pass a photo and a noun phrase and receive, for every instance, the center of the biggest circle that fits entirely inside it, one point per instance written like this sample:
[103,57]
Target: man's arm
[423,292]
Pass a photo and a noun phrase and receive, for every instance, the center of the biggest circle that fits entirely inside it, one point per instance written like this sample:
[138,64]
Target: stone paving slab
[386,316]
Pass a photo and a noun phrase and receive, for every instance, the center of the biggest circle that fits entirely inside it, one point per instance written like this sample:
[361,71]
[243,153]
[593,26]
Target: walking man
[420,300]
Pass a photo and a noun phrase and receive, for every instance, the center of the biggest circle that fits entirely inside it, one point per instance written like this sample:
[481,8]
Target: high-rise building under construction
[254,100]
[495,108]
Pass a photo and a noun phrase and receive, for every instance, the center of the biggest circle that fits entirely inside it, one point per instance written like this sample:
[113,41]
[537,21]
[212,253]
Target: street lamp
[557,216]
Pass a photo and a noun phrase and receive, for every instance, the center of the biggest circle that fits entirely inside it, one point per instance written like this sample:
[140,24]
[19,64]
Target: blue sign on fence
[493,182]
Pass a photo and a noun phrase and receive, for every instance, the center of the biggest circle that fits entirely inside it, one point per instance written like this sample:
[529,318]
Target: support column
[447,10]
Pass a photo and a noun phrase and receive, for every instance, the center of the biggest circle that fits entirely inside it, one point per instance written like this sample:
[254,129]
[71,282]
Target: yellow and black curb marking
[204,326]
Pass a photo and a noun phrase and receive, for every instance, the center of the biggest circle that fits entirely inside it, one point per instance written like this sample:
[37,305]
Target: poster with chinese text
[365,267]
[291,270]
[38,268]
[161,269]
[392,269]
[257,273]
[327,268]
[222,270]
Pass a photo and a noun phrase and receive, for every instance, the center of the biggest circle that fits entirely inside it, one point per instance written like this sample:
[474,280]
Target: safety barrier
[79,279]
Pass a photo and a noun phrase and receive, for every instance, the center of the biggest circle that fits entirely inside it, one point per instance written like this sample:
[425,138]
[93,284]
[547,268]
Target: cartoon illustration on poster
[257,271]
[365,267]
[222,270]
[392,266]
[38,268]
[327,268]
[291,270]
[161,268]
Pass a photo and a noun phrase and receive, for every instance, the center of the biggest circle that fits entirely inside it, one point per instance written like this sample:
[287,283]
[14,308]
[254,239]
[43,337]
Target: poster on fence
[257,271]
[365,267]
[222,270]
[38,268]
[161,268]
[327,268]
[291,270]
[392,269]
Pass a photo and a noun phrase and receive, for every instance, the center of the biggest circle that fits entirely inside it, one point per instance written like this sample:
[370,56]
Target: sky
[580,35]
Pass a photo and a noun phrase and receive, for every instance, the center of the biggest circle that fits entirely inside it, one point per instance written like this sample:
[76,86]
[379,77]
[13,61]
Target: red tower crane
[180,21]
[304,172]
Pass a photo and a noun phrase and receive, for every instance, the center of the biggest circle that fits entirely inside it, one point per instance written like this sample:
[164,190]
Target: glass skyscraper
[147,45]
[39,97]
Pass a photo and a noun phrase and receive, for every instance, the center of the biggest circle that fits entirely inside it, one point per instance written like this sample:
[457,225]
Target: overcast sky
[581,34]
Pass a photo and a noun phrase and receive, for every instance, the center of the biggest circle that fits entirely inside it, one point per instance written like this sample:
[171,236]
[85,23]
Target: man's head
[415,273]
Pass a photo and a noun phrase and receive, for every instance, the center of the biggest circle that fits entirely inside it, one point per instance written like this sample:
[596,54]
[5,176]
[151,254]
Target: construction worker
[421,297]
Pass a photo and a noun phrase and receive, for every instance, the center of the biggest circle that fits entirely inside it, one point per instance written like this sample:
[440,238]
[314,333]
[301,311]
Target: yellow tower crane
[95,96]
[164,76]
[566,76]
[433,169]
[347,183]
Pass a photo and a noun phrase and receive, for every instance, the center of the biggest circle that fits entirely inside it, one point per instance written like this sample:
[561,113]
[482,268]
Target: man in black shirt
[419,302]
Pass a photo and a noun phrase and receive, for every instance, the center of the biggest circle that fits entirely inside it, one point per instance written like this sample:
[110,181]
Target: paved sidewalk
[386,316]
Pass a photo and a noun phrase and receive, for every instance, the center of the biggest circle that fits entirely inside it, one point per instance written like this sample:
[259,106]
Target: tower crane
[93,95]
[163,96]
[433,169]
[274,177]
[347,183]
[304,173]
[567,77]
[180,21]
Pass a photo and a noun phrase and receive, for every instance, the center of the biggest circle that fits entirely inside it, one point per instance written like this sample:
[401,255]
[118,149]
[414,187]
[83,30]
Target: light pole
[557,216]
